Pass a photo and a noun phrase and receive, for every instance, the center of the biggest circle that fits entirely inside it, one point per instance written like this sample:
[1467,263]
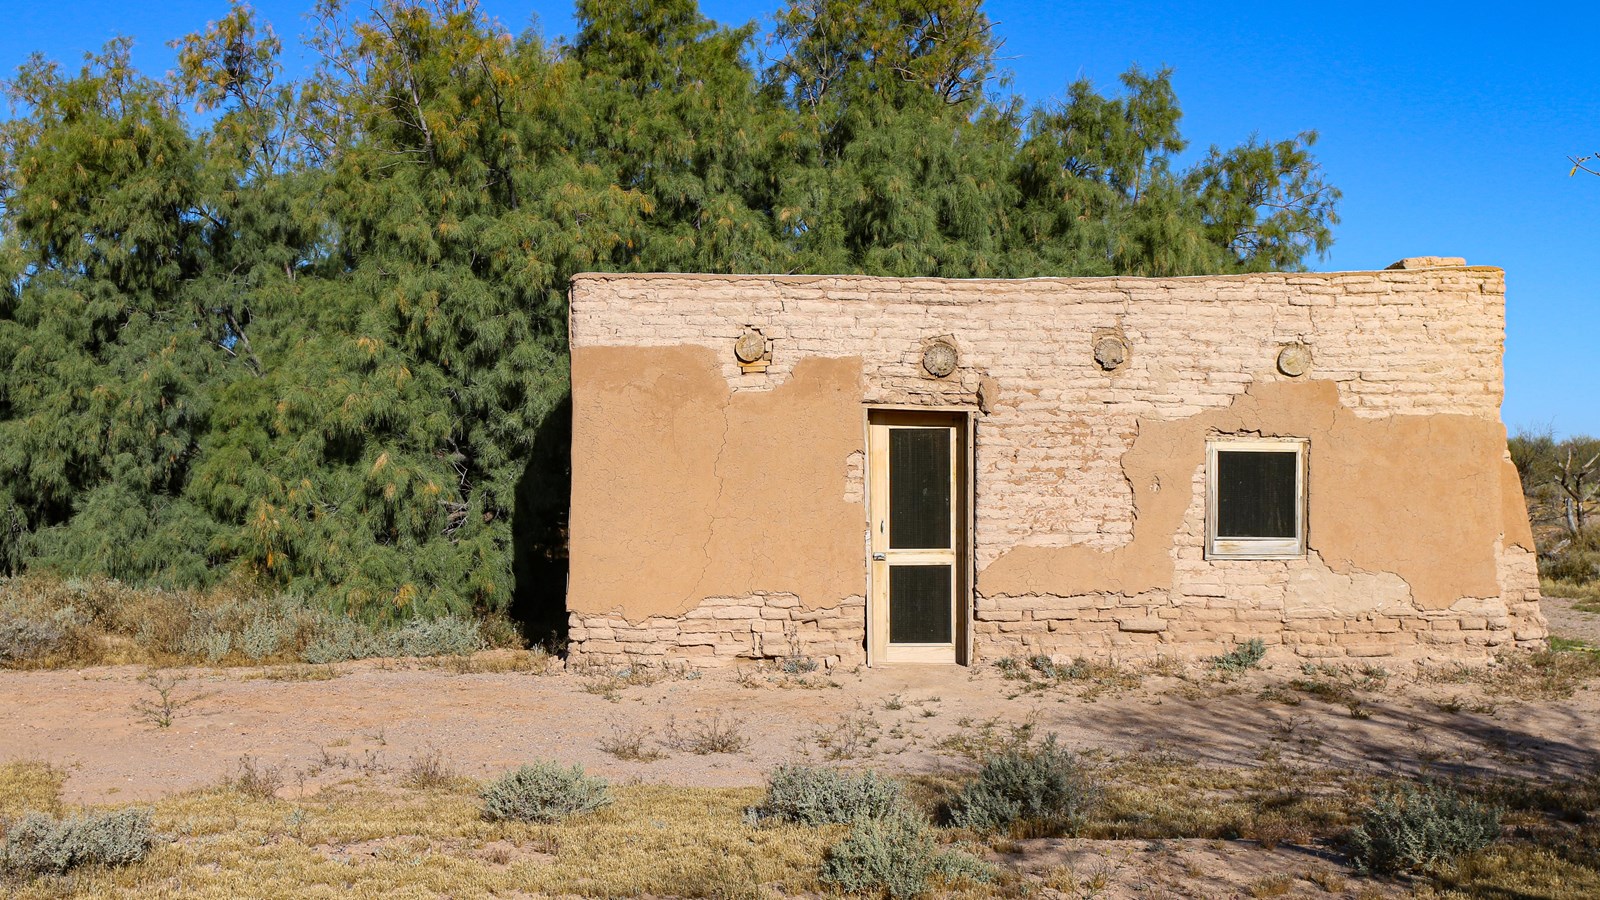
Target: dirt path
[1567,622]
[378,717]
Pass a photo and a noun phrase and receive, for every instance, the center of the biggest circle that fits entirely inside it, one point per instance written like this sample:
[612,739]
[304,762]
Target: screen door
[916,518]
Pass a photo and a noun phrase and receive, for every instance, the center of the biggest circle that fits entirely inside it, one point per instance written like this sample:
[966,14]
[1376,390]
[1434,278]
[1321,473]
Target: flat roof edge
[1044,279]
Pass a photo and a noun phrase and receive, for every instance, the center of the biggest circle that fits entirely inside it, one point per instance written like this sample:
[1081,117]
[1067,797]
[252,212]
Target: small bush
[1412,827]
[632,744]
[543,792]
[429,771]
[264,637]
[336,639]
[707,736]
[798,665]
[1043,787]
[24,639]
[40,845]
[1247,655]
[813,795]
[261,782]
[893,856]
[448,636]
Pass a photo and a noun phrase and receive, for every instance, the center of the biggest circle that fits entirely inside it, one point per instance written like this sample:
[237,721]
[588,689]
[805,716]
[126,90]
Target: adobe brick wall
[1089,493]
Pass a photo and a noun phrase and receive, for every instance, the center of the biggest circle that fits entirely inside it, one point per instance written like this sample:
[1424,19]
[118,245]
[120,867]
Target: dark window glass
[1256,495]
[919,488]
[919,604]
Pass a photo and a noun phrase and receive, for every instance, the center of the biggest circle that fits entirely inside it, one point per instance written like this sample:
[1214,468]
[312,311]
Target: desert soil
[373,718]
[378,715]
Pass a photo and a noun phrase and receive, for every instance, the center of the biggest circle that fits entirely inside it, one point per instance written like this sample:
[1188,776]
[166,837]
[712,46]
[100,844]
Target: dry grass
[609,683]
[295,673]
[367,842]
[537,661]
[854,737]
[1084,678]
[1587,593]
[980,740]
[101,621]
[364,839]
[30,785]
[1151,796]
[1544,675]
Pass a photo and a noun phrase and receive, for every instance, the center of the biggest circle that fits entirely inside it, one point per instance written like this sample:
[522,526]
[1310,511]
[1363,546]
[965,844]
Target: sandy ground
[376,717]
[1571,623]
[372,720]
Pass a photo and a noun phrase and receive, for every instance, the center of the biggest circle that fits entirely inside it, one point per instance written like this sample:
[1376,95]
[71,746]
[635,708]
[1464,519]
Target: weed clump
[816,795]
[1247,655]
[40,845]
[1409,828]
[543,792]
[1088,678]
[1043,788]
[707,736]
[340,640]
[47,621]
[22,639]
[258,781]
[896,856]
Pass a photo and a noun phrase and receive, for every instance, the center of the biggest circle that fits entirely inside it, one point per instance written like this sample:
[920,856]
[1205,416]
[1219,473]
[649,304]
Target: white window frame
[1264,547]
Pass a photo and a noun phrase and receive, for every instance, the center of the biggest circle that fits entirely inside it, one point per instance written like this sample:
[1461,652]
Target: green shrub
[264,637]
[543,792]
[336,639]
[1044,787]
[447,636]
[1247,655]
[1411,827]
[25,639]
[1576,564]
[40,845]
[816,795]
[895,856]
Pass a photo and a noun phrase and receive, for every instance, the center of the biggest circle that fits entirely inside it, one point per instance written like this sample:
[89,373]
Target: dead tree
[1579,483]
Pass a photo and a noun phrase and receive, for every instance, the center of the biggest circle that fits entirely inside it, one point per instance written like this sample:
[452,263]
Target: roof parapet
[1428,262]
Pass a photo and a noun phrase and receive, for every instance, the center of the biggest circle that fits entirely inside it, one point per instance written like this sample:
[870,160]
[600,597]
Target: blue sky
[1447,126]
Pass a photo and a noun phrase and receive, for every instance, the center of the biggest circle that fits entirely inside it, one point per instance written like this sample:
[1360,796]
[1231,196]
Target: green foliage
[809,795]
[1247,655]
[1043,788]
[1410,828]
[1561,484]
[40,845]
[543,792]
[319,344]
[896,856]
[893,857]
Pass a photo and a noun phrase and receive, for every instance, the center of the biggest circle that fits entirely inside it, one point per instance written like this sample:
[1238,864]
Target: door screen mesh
[919,604]
[919,488]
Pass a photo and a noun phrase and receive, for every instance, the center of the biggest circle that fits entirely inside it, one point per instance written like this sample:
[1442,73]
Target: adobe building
[886,470]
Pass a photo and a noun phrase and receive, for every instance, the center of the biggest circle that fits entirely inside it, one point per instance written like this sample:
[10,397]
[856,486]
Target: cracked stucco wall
[700,487]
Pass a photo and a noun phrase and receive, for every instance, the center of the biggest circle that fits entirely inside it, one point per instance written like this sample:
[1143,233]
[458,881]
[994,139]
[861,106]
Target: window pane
[919,604]
[919,488]
[1256,495]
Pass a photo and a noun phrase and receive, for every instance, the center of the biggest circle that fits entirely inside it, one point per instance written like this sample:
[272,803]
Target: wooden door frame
[964,494]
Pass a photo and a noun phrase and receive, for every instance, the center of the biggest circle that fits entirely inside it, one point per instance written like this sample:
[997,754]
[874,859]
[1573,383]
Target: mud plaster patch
[1424,498]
